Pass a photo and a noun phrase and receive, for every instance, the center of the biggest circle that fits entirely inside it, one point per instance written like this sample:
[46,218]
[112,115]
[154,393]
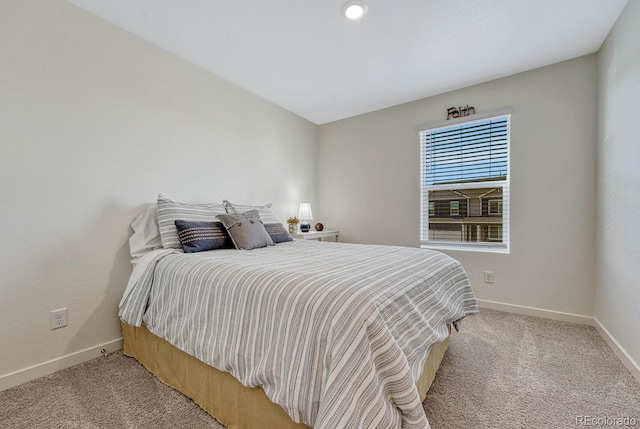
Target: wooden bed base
[221,394]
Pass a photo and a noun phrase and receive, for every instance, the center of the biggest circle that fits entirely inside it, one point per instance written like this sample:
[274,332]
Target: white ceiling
[306,57]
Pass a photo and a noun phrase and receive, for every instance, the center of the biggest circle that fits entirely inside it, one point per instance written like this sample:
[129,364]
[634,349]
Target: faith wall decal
[459,112]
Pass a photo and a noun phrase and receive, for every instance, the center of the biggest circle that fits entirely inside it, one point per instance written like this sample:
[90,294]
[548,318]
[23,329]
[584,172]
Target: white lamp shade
[305,212]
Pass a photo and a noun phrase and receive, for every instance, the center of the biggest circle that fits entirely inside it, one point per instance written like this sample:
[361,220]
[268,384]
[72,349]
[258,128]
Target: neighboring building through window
[464,185]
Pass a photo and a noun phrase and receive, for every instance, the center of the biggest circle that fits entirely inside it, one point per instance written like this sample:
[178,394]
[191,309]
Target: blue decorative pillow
[277,232]
[201,236]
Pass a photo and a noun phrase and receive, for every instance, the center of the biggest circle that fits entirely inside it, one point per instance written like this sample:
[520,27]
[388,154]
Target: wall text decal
[453,112]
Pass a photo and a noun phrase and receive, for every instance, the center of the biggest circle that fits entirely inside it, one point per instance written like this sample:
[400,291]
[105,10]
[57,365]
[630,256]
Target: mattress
[336,334]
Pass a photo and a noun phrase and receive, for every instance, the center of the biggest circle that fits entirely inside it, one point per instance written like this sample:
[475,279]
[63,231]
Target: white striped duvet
[337,334]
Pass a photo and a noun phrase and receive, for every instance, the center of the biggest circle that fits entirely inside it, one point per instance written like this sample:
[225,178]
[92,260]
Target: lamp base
[305,226]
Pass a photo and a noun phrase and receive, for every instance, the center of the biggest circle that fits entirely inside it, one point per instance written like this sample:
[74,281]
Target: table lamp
[305,215]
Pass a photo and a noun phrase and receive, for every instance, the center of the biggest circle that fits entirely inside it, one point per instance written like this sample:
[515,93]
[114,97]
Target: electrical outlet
[488,276]
[58,318]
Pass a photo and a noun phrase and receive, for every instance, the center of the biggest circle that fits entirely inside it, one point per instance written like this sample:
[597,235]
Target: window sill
[466,248]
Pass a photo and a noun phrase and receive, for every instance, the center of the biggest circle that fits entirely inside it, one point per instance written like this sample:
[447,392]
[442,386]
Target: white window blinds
[464,185]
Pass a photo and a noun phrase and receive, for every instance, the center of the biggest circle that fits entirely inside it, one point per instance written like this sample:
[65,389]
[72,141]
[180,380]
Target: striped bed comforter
[335,333]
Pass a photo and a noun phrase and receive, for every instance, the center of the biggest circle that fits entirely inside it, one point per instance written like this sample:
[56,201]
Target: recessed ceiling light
[354,9]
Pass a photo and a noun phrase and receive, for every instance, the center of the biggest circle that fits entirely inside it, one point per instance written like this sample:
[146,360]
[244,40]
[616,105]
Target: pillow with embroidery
[201,236]
[246,230]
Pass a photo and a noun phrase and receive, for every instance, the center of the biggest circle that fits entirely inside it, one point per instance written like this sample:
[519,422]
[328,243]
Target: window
[454,208]
[464,184]
[494,233]
[495,207]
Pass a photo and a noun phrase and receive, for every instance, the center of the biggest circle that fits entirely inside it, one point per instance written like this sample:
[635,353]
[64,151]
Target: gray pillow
[246,230]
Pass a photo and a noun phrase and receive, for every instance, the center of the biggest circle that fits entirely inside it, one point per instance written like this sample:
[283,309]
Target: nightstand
[316,235]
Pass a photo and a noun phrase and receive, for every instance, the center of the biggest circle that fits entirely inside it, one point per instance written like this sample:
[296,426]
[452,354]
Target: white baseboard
[46,368]
[49,367]
[627,360]
[538,312]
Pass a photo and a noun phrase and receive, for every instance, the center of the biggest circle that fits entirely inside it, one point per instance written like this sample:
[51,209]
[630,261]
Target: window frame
[500,204]
[457,208]
[489,245]
[489,236]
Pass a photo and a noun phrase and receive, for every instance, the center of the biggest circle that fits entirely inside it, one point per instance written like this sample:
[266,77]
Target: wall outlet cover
[58,318]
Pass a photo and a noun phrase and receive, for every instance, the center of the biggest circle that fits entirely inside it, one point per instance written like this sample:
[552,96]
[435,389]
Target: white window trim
[464,120]
[488,247]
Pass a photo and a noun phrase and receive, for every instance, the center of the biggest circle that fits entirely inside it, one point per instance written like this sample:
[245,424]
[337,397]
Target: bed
[297,334]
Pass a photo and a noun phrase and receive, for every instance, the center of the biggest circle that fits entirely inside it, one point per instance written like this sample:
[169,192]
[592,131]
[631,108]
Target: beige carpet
[510,371]
[501,371]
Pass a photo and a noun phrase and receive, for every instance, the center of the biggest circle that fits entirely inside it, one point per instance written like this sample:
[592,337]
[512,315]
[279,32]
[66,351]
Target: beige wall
[618,197]
[94,122]
[369,182]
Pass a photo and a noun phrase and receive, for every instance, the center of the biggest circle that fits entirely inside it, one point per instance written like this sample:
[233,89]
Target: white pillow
[146,234]
[266,215]
[171,211]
